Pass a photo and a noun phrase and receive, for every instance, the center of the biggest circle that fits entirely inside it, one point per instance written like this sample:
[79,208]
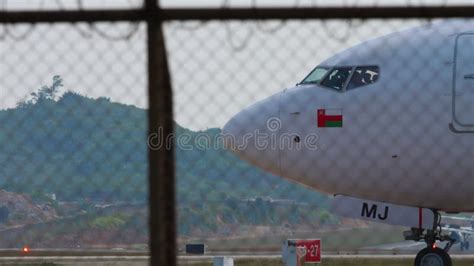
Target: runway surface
[86,260]
[401,256]
[184,259]
[412,246]
[399,250]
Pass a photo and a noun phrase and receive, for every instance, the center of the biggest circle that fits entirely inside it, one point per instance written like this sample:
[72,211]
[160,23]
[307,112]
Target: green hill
[75,147]
[82,148]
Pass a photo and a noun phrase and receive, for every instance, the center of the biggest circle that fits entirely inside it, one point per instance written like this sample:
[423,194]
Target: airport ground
[378,246]
[142,261]
[239,260]
[75,261]
[335,260]
[333,240]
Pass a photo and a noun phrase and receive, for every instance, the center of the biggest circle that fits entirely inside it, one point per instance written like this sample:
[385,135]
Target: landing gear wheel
[432,257]
[467,245]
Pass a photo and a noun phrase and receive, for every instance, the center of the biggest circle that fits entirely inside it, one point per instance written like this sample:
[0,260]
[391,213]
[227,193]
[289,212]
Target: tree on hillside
[44,93]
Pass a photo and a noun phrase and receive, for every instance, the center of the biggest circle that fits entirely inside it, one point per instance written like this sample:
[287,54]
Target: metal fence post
[161,160]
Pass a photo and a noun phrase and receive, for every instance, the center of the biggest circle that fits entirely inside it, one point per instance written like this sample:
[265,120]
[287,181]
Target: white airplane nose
[253,133]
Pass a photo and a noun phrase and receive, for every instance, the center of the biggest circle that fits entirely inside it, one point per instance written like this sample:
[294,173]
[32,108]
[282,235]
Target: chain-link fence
[74,163]
[372,119]
[220,68]
[381,112]
[73,139]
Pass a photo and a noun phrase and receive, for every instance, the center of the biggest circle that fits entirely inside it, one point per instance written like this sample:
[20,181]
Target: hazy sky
[217,68]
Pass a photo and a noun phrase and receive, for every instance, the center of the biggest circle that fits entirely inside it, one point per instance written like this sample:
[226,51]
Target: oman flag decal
[329,117]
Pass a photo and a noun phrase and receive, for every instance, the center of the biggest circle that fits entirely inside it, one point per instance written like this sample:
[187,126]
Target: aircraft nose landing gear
[432,255]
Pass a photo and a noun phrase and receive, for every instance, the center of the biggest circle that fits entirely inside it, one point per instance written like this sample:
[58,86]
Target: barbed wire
[21,36]
[6,30]
[237,47]
[236,44]
[121,37]
[83,33]
[126,36]
[276,28]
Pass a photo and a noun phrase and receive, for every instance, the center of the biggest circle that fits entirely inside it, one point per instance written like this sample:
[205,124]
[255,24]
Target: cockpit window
[315,76]
[337,78]
[363,76]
